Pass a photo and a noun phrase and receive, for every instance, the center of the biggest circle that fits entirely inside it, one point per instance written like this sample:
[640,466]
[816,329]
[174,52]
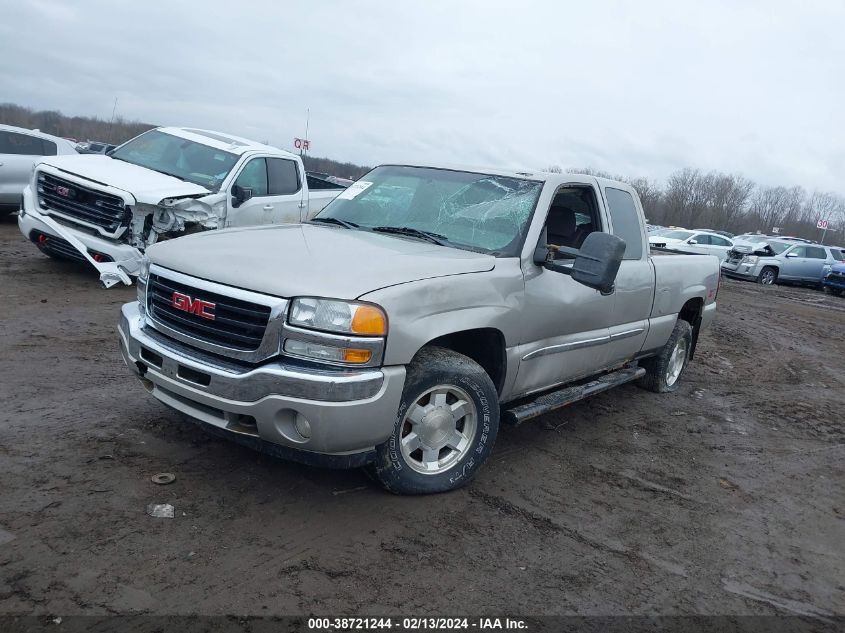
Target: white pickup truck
[423,305]
[167,182]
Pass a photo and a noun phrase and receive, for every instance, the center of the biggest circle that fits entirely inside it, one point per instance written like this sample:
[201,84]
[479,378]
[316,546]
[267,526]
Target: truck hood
[304,259]
[145,185]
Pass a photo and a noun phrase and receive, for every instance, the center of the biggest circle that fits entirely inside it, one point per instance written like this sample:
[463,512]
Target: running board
[562,397]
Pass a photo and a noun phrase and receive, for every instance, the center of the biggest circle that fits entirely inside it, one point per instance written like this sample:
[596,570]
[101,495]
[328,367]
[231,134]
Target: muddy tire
[768,276]
[663,372]
[445,428]
[836,292]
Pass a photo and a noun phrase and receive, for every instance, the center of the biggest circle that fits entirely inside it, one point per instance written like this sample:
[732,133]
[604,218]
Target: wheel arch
[486,346]
[692,312]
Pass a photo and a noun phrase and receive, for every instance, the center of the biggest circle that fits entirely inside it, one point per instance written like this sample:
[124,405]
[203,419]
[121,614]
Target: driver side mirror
[792,254]
[693,242]
[596,262]
[240,195]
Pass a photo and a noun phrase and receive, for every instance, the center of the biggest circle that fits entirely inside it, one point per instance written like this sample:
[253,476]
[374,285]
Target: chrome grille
[237,324]
[80,203]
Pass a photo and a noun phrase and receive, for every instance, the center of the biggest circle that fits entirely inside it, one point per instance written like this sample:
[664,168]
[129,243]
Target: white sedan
[704,242]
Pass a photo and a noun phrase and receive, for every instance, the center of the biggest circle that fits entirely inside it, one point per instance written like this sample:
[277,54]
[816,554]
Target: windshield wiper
[150,168]
[434,238]
[344,223]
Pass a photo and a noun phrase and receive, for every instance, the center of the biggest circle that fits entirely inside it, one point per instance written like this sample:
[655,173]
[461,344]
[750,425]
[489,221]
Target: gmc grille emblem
[63,191]
[200,307]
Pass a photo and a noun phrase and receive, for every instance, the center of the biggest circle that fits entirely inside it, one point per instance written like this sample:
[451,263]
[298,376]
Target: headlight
[141,284]
[750,259]
[332,315]
[144,270]
[331,353]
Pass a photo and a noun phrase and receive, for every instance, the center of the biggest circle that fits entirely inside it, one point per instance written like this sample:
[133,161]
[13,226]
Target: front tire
[768,276]
[663,372]
[445,428]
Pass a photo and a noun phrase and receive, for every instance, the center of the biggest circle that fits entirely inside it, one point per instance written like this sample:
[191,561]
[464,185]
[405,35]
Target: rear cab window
[625,220]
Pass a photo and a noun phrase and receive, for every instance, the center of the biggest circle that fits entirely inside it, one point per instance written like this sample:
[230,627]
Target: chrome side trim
[565,347]
[270,344]
[627,334]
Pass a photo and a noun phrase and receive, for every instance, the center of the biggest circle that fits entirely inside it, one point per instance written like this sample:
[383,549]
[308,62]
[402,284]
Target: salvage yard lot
[724,498]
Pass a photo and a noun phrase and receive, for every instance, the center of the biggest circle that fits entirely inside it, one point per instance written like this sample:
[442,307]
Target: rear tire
[445,428]
[768,276]
[663,372]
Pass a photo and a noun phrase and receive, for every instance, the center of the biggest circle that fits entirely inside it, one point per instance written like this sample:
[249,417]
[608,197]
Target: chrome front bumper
[348,411]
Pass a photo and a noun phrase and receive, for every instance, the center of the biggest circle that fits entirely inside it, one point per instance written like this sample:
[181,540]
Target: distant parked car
[318,180]
[94,147]
[833,281]
[20,149]
[756,237]
[722,233]
[775,261]
[704,242]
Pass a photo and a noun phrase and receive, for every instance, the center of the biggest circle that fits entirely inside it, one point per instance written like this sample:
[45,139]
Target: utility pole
[307,121]
[113,110]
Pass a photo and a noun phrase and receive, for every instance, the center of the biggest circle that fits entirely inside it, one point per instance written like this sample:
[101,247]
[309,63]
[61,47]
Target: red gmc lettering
[183,302]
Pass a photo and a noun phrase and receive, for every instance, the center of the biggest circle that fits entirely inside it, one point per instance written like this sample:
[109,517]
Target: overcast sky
[637,88]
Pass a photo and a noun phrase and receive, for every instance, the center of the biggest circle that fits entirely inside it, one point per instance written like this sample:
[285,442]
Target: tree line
[696,199]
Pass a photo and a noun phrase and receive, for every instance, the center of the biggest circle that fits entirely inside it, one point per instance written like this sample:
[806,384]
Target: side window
[702,238]
[14,143]
[799,251]
[815,252]
[719,241]
[283,176]
[49,147]
[837,254]
[626,221]
[573,215]
[254,176]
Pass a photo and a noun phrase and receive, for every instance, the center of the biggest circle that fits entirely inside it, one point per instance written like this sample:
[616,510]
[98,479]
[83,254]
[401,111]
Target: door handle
[268,207]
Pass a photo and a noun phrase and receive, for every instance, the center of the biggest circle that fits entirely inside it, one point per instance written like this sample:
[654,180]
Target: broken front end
[71,217]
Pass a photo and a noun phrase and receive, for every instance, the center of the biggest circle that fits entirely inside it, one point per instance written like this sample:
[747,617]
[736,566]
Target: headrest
[561,221]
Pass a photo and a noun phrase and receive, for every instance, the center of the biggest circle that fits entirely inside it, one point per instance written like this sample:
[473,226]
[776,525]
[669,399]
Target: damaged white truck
[167,182]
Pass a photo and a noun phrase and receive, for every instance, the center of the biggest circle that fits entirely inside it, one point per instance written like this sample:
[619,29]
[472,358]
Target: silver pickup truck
[419,309]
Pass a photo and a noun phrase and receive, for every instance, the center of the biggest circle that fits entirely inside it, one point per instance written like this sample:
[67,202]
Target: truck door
[633,294]
[276,192]
[564,332]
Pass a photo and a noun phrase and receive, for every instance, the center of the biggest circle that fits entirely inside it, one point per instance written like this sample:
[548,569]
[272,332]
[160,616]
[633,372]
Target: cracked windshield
[465,210]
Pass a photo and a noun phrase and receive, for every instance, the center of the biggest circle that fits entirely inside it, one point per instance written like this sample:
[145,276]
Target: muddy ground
[724,498]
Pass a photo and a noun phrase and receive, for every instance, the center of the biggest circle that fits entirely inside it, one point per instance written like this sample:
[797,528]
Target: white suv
[20,149]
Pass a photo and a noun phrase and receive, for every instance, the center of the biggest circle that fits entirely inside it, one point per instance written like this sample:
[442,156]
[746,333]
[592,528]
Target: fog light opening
[302,426]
